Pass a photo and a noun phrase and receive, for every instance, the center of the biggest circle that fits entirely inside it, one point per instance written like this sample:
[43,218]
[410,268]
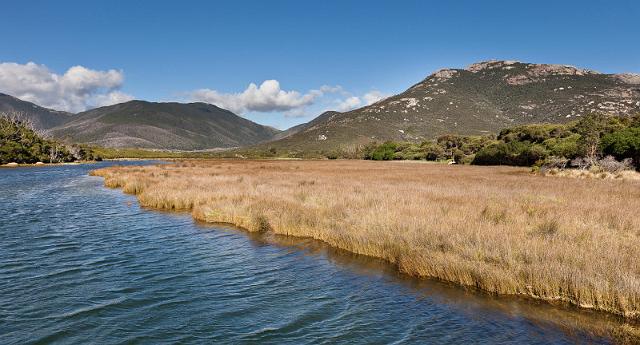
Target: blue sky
[206,50]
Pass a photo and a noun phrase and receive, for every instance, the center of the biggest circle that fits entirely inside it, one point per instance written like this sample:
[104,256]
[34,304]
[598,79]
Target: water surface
[81,263]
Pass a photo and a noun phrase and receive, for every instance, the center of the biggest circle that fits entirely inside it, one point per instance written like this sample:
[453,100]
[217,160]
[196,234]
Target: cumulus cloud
[113,97]
[354,102]
[76,90]
[267,97]
[296,113]
[374,96]
[270,97]
[349,103]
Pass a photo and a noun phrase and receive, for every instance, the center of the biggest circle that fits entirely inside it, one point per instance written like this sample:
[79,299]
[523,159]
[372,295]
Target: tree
[512,153]
[21,143]
[623,144]
[432,151]
[590,129]
[384,152]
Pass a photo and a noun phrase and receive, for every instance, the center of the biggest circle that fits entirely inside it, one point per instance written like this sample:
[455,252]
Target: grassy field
[499,229]
[128,153]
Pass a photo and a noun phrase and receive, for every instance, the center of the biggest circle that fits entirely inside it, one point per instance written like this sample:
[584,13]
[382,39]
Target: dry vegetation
[500,229]
[578,173]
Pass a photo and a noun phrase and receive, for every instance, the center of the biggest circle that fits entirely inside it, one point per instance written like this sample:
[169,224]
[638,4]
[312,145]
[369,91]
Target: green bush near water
[19,143]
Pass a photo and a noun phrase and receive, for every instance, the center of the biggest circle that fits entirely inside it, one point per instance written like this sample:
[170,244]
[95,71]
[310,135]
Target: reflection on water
[82,263]
[573,321]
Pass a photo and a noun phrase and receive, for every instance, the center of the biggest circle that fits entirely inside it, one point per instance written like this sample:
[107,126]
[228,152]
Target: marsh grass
[499,229]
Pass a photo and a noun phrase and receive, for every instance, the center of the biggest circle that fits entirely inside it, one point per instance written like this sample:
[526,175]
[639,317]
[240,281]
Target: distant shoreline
[22,165]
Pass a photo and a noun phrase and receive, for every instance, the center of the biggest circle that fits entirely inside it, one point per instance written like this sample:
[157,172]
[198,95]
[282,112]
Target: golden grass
[577,173]
[499,229]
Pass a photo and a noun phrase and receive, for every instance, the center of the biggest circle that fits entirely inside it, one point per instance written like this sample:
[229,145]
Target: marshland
[90,265]
[500,230]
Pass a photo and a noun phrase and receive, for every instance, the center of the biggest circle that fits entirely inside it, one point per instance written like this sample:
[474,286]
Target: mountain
[41,118]
[483,98]
[141,124]
[295,129]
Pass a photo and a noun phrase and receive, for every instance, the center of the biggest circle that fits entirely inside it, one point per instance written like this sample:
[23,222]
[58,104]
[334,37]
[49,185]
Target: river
[81,263]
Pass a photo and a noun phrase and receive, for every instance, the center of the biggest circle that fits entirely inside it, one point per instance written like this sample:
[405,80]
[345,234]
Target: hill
[483,98]
[193,126]
[41,118]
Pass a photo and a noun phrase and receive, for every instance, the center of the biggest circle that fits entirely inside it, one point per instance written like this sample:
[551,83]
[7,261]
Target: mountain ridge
[482,98]
[163,125]
[40,117]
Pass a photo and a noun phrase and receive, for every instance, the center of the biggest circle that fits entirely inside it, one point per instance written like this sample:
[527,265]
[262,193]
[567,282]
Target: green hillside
[141,124]
[39,117]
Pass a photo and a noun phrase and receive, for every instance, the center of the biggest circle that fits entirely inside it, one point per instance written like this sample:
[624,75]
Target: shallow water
[80,263]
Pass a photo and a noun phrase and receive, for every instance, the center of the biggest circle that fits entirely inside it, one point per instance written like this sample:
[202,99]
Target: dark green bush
[536,133]
[332,155]
[525,145]
[623,144]
[384,152]
[432,151]
[21,144]
[567,147]
[512,153]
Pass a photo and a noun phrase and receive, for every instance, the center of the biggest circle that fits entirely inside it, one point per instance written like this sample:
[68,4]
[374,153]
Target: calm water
[80,263]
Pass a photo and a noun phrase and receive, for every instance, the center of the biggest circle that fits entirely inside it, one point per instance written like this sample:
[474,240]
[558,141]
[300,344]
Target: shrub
[581,163]
[408,151]
[563,147]
[332,155]
[384,152]
[554,163]
[511,153]
[592,128]
[433,151]
[623,144]
[458,155]
[468,144]
[611,165]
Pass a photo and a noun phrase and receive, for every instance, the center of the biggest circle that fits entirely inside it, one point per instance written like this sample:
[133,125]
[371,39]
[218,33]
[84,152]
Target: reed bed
[499,229]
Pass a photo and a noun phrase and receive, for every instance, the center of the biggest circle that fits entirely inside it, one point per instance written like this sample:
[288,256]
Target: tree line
[591,141]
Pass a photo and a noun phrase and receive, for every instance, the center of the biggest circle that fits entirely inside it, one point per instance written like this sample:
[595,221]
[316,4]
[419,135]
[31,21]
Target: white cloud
[76,90]
[331,89]
[349,103]
[113,97]
[268,97]
[354,102]
[295,113]
[374,96]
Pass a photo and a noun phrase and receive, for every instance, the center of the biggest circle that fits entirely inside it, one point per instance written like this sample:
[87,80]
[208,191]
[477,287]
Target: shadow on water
[574,322]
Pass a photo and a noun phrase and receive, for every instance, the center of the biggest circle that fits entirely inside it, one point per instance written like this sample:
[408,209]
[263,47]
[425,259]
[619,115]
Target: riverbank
[41,164]
[498,229]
